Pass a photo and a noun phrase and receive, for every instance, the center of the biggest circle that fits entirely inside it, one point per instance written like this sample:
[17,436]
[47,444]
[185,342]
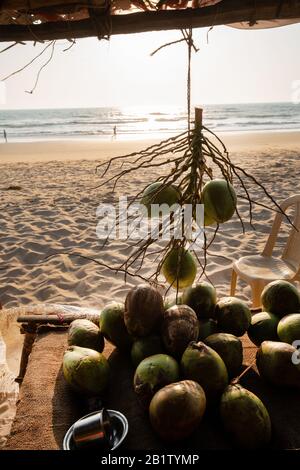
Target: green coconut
[279,364]
[173,300]
[281,298]
[159,193]
[207,328]
[113,327]
[180,326]
[219,199]
[263,327]
[179,268]
[177,410]
[85,370]
[230,349]
[289,328]
[202,298]
[145,347]
[144,309]
[245,418]
[205,366]
[86,334]
[208,220]
[153,373]
[233,316]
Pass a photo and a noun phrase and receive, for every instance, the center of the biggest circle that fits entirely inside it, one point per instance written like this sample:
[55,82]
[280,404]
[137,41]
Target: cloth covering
[47,407]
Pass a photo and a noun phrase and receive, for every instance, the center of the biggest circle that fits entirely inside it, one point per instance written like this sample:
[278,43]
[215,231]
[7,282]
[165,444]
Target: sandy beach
[54,211]
[63,150]
[51,209]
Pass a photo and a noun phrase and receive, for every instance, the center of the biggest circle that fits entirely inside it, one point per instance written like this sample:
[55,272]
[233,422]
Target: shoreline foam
[99,150]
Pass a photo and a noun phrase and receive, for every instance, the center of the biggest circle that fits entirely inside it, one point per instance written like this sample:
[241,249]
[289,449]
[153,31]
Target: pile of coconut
[188,355]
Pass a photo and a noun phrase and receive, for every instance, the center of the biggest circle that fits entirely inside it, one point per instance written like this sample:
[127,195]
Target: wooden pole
[198,117]
[223,13]
[62,319]
[30,335]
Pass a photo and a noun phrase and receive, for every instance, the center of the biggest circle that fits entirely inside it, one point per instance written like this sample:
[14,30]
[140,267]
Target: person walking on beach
[115,131]
[5,135]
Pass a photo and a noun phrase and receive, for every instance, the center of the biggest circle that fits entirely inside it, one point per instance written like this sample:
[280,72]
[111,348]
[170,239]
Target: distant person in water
[5,135]
[115,131]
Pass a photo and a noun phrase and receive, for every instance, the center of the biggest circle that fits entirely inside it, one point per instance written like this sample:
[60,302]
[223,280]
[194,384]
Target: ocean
[143,122]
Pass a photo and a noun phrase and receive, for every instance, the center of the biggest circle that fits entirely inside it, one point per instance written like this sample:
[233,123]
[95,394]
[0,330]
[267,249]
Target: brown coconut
[180,326]
[144,308]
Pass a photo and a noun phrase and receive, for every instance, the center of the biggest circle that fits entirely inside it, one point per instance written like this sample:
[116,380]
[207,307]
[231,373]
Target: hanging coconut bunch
[188,164]
[196,172]
[198,190]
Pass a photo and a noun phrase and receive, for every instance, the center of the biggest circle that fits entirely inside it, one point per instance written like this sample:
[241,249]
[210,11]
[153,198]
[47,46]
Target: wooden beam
[225,12]
[34,4]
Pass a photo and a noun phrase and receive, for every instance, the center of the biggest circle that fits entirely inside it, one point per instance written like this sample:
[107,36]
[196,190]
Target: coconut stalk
[192,158]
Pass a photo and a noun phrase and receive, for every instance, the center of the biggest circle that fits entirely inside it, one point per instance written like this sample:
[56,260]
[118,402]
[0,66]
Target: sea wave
[100,122]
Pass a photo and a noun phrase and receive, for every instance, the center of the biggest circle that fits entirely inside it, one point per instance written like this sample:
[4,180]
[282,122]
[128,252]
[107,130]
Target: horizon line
[148,106]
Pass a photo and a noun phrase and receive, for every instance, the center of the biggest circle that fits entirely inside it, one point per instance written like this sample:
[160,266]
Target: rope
[102,21]
[188,38]
[253,21]
[61,318]
[190,42]
[279,8]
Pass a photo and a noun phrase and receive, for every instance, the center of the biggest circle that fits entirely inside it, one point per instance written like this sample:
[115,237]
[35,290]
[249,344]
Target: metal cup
[94,430]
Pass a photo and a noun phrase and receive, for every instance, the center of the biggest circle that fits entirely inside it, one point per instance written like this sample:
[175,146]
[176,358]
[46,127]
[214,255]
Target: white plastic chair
[259,270]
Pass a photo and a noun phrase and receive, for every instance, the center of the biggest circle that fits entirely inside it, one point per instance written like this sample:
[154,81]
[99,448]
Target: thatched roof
[32,20]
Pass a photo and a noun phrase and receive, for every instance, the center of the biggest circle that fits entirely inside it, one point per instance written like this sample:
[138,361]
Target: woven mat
[47,407]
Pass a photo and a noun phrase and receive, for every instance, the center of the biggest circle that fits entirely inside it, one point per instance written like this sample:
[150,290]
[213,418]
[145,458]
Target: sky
[234,66]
